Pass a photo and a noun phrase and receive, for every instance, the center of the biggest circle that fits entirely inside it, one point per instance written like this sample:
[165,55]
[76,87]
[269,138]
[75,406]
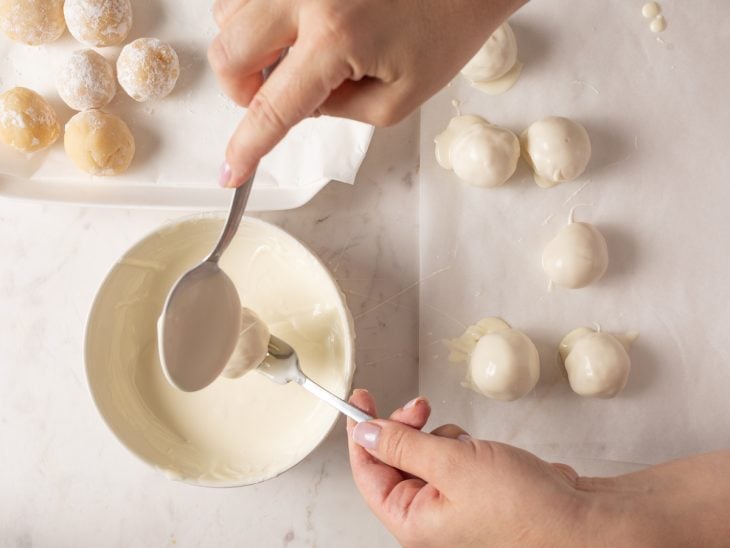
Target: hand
[447,489]
[369,60]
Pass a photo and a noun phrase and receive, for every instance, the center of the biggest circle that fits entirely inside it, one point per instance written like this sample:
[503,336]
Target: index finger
[298,86]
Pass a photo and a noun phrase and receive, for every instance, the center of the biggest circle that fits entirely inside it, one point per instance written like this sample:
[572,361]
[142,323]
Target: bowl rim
[345,314]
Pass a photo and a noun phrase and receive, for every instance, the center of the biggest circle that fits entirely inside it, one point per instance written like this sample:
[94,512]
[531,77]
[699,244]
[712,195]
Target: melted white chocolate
[504,363]
[234,431]
[576,257]
[479,153]
[495,62]
[557,149]
[597,363]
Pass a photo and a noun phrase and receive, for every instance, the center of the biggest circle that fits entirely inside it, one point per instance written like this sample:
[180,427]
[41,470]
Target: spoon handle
[342,406]
[238,205]
[240,196]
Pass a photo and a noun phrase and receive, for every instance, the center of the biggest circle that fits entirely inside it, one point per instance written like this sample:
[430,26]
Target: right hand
[448,489]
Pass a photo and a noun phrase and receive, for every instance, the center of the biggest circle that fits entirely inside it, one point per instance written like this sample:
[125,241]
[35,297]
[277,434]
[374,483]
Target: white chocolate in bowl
[236,431]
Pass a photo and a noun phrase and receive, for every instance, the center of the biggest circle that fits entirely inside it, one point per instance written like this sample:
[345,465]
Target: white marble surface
[64,479]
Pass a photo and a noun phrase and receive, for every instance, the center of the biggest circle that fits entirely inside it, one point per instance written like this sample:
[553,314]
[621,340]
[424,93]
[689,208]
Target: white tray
[181,139]
[193,199]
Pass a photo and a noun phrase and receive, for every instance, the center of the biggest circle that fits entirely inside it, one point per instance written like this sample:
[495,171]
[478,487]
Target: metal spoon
[282,367]
[200,322]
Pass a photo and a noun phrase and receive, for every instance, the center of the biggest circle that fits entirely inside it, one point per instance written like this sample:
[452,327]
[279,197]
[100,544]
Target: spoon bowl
[199,327]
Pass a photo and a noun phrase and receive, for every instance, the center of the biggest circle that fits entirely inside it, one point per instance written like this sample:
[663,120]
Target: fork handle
[341,405]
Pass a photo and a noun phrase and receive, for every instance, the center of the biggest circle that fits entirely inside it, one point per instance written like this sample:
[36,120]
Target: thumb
[429,457]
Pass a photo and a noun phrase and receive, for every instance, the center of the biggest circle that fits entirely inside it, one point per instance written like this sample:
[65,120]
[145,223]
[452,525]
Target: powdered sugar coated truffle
[148,69]
[86,81]
[32,22]
[99,22]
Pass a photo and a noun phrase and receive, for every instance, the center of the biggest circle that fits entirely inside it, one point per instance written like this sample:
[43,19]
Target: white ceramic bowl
[151,418]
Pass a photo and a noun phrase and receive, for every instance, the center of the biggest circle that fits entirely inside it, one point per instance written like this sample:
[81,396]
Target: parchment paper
[181,139]
[658,187]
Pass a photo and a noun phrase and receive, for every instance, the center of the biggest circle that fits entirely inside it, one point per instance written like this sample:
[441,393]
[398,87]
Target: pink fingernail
[463,437]
[411,404]
[366,434]
[225,175]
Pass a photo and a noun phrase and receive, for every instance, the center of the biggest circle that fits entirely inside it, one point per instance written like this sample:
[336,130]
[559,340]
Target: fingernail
[463,437]
[366,434]
[225,175]
[411,404]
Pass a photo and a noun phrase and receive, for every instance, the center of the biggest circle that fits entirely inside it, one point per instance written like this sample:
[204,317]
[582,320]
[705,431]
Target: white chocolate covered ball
[576,256]
[27,122]
[479,153]
[99,22]
[251,348]
[445,139]
[495,58]
[557,149]
[99,143]
[86,81]
[597,363]
[148,69]
[505,364]
[32,22]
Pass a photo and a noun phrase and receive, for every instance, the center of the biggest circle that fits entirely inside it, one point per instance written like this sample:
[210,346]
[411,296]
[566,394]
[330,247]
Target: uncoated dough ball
[148,69]
[27,122]
[99,22]
[32,22]
[99,143]
[86,81]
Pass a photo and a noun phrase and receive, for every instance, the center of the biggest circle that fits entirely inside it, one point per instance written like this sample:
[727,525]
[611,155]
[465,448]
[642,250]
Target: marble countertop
[66,481]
